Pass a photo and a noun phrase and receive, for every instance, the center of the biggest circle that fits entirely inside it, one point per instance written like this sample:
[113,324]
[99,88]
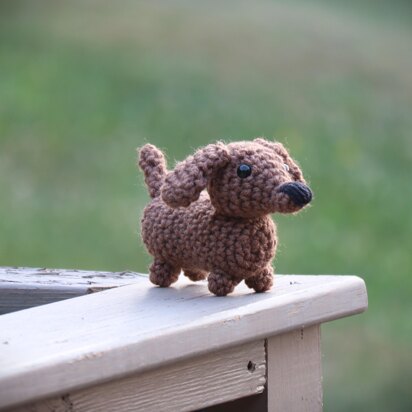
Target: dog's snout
[299,193]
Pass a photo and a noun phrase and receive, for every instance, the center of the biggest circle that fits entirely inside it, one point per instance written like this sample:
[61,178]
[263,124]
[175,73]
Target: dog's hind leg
[221,284]
[262,280]
[163,274]
[195,274]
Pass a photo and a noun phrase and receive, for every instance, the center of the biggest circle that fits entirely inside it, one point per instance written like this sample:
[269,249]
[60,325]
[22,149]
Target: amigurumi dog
[224,233]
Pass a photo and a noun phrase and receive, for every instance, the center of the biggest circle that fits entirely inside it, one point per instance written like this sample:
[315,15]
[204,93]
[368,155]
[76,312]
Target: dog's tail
[153,164]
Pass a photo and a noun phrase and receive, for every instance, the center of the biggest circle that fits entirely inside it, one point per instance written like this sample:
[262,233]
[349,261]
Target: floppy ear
[183,185]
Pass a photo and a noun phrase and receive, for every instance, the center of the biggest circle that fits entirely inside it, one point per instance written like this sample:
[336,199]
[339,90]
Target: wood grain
[88,340]
[208,380]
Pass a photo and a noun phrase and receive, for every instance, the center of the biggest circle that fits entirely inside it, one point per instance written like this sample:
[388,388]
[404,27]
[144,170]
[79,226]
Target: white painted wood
[192,384]
[22,288]
[295,371]
[67,345]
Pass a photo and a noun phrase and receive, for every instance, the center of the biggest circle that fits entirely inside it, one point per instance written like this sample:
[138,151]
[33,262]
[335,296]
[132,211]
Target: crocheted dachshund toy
[224,233]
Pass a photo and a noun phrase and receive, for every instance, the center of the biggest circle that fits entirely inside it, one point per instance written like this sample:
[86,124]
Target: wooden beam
[23,288]
[189,385]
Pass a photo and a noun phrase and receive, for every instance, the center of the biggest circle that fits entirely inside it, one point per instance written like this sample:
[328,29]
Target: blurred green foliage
[82,84]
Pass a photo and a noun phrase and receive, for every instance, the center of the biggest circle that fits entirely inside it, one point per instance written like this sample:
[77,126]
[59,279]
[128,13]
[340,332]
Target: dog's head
[244,179]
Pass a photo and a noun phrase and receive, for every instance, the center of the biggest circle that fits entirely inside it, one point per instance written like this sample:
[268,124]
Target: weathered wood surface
[192,384]
[295,371]
[22,288]
[68,345]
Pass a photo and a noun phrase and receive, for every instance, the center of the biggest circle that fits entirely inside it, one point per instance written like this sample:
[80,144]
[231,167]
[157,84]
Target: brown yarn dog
[224,233]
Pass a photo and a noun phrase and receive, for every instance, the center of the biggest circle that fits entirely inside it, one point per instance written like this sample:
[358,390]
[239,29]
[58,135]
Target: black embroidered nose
[299,193]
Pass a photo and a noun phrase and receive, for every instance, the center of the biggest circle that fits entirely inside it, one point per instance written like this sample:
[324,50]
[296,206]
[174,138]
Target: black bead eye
[244,171]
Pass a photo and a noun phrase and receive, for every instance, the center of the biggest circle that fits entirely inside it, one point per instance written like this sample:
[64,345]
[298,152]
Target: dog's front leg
[220,283]
[262,280]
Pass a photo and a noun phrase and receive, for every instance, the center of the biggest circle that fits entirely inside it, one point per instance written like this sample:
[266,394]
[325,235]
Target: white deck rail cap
[79,342]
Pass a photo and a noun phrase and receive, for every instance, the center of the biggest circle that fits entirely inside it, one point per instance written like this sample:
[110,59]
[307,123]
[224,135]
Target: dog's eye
[286,167]
[244,171]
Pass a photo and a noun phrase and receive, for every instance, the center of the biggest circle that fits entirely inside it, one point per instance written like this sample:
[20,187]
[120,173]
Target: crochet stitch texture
[224,233]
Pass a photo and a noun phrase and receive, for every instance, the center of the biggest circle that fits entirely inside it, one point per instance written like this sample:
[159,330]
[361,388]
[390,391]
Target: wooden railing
[143,348]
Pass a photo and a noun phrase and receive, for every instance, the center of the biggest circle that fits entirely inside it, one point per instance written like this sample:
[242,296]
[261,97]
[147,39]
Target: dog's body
[233,245]
[226,232]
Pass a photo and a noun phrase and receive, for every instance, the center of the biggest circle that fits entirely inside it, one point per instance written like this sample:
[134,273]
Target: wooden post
[295,371]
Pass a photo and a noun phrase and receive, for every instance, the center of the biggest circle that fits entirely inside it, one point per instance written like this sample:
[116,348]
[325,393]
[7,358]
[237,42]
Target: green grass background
[83,83]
